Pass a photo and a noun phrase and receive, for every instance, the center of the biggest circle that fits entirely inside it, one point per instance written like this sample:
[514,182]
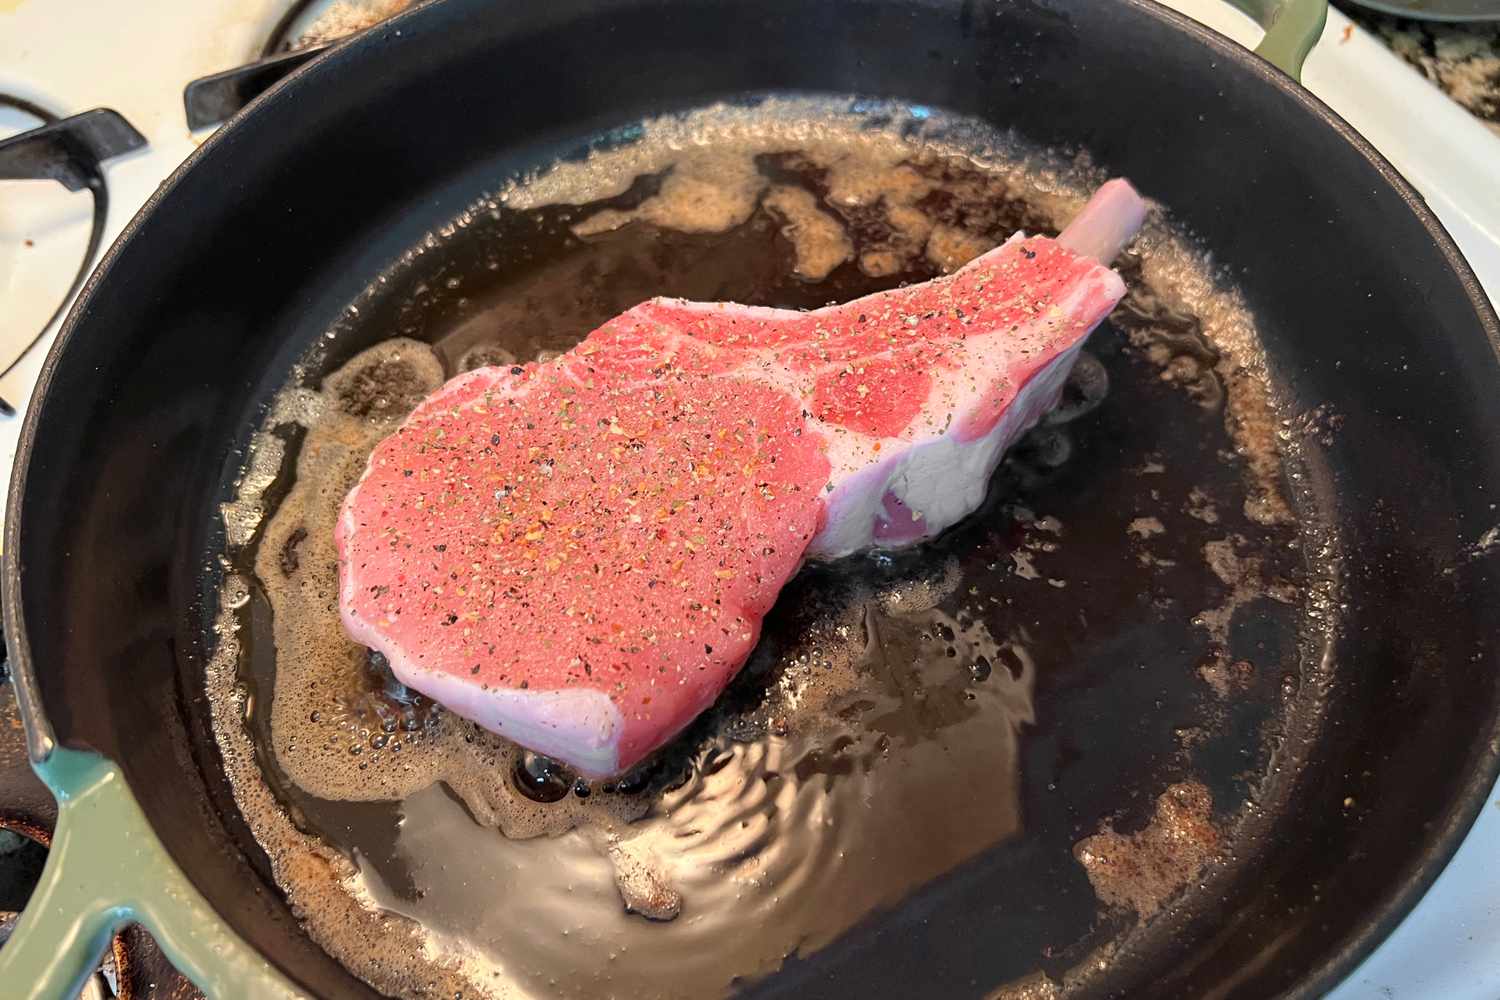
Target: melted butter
[772,846]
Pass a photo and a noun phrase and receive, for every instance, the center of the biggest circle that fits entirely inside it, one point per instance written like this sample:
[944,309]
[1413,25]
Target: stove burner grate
[69,151]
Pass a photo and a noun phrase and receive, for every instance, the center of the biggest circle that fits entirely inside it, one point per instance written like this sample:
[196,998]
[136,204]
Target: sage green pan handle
[1292,28]
[107,868]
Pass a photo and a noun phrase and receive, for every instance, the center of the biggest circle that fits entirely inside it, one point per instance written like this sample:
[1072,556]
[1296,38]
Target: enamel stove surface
[68,56]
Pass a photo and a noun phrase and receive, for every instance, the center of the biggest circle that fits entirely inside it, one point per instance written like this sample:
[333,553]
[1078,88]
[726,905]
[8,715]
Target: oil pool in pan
[1062,707]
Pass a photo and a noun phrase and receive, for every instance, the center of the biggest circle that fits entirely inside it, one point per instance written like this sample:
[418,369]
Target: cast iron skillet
[277,223]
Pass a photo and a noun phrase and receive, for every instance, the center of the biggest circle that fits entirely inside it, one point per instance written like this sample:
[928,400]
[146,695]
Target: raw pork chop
[577,554]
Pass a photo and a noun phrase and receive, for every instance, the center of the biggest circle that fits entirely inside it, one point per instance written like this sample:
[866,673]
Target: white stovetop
[72,55]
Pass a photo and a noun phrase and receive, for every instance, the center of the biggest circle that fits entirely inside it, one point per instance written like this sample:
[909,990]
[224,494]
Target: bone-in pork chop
[577,554]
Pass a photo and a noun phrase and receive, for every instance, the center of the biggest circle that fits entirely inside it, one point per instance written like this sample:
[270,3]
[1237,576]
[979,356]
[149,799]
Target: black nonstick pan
[1334,779]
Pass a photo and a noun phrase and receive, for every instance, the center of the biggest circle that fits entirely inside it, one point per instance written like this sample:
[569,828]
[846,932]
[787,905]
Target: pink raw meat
[577,554]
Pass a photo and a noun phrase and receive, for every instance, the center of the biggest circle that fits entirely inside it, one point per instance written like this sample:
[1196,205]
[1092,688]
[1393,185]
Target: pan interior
[1023,747]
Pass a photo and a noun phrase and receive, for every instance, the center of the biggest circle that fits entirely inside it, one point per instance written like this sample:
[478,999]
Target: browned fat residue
[901,198]
[347,17]
[642,887]
[1144,870]
[1224,677]
[819,242]
[704,191]
[1253,422]
[1320,424]
[1201,507]
[1180,317]
[389,385]
[1245,578]
[950,248]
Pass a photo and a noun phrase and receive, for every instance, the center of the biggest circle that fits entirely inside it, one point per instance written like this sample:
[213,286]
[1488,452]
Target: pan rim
[1340,962]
